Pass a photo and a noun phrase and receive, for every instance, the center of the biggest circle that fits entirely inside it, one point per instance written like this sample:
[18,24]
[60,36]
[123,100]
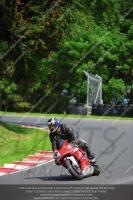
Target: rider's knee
[82,144]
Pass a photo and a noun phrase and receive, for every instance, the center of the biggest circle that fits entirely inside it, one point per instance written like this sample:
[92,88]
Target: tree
[50,42]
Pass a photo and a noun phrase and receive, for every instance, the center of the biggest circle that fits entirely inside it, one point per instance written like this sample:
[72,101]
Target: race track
[110,140]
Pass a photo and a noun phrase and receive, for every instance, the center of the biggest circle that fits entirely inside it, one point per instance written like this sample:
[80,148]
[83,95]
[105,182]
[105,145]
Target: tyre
[73,170]
[96,170]
[123,110]
[94,111]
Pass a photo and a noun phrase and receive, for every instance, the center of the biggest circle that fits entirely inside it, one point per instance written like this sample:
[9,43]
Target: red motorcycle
[74,159]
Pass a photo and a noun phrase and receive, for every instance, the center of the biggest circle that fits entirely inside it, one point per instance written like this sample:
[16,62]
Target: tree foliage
[52,41]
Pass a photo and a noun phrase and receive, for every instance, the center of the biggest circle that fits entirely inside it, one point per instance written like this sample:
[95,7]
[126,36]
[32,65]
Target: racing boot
[83,145]
[91,156]
[93,162]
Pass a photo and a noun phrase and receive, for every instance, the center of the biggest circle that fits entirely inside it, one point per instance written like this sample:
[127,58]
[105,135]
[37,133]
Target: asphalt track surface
[110,140]
[112,143]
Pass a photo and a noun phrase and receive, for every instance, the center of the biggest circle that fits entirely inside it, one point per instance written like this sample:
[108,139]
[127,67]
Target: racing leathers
[67,133]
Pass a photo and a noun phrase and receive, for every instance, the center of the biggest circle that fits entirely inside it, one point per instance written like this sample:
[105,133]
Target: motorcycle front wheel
[73,170]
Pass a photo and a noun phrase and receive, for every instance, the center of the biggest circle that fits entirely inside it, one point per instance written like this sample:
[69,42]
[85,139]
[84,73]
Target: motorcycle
[74,159]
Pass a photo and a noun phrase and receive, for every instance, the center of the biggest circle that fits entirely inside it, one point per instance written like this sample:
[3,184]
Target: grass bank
[17,142]
[65,115]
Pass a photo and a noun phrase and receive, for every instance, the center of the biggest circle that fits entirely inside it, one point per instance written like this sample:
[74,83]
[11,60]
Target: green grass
[17,142]
[67,115]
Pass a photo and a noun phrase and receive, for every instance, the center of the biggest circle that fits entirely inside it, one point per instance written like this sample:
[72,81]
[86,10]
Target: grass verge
[17,142]
[65,115]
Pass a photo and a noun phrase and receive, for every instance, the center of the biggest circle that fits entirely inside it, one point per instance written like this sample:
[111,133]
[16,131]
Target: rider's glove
[56,154]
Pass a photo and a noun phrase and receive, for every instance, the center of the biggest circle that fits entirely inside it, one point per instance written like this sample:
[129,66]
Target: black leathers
[66,133]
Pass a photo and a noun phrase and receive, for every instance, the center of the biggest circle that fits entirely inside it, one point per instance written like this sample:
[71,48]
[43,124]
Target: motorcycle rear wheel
[96,170]
[76,173]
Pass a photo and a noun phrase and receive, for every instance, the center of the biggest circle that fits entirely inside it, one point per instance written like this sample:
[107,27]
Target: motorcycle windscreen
[59,143]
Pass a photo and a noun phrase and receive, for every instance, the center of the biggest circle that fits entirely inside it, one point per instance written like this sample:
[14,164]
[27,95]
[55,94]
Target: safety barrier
[101,110]
[112,110]
[78,108]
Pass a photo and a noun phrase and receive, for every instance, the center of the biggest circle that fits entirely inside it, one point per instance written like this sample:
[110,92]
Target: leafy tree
[48,42]
[7,89]
[115,88]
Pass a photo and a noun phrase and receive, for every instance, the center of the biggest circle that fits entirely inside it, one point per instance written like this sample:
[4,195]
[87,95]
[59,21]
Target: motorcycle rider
[64,131]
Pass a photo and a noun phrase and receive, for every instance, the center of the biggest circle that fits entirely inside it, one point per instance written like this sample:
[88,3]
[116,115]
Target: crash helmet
[53,124]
